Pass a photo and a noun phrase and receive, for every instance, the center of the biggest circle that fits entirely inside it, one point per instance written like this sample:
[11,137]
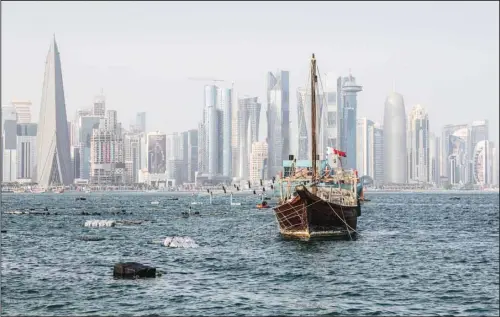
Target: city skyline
[427,70]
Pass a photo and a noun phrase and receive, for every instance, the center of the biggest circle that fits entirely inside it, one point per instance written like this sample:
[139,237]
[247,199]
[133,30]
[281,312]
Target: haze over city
[141,54]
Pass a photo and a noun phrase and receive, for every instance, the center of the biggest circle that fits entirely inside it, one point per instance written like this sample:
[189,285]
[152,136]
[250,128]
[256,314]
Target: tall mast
[314,79]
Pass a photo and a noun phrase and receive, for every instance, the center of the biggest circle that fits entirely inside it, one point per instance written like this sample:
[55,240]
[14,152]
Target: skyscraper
[418,145]
[157,152]
[99,108]
[365,147]
[190,154]
[53,145]
[278,120]
[257,160]
[214,143]
[304,128]
[378,153]
[331,111]
[106,152]
[140,122]
[132,149]
[434,157]
[87,125]
[394,139]
[23,110]
[211,126]
[26,150]
[248,120]
[455,145]
[226,106]
[494,166]
[9,144]
[347,103]
[481,159]
[174,157]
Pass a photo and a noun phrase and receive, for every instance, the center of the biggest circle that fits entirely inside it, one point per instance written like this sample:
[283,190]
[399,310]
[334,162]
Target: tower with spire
[53,166]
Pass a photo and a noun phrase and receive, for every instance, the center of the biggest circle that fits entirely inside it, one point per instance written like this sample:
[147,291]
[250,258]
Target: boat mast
[313,122]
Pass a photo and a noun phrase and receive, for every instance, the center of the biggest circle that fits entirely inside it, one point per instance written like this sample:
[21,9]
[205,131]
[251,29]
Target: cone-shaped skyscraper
[53,146]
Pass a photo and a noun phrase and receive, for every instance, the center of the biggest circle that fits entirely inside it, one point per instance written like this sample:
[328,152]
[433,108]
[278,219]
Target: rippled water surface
[418,254]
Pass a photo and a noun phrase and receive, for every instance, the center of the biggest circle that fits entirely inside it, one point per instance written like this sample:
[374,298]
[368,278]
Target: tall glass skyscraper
[304,124]
[140,121]
[215,152]
[418,145]
[278,120]
[226,106]
[248,131]
[347,103]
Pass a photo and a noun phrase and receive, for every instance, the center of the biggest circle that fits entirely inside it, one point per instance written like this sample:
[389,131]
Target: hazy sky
[444,56]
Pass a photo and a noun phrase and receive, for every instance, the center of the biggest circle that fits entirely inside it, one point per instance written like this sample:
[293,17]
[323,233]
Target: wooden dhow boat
[318,198]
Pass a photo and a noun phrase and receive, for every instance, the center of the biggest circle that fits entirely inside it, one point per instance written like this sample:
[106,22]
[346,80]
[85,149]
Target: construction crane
[206,79]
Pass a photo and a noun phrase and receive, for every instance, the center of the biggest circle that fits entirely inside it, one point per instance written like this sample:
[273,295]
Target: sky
[442,55]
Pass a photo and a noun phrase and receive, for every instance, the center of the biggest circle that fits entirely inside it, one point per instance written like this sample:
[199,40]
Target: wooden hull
[308,216]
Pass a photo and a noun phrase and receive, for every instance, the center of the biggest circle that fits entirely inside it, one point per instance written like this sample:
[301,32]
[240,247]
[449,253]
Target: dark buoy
[4,231]
[133,270]
[91,238]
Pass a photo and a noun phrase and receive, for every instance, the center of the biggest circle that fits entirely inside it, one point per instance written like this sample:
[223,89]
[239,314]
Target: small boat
[173,198]
[155,202]
[263,205]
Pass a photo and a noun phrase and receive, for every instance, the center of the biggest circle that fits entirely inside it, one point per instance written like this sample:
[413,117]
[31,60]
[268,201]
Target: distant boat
[155,202]
[263,205]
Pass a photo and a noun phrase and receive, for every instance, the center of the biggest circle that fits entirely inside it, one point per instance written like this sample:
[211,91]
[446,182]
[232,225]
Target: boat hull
[308,216]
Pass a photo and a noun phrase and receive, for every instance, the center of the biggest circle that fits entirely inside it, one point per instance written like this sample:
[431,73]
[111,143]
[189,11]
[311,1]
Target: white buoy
[99,223]
[179,242]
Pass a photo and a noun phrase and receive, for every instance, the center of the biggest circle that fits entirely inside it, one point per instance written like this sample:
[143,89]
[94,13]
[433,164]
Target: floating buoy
[100,223]
[179,242]
[91,238]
